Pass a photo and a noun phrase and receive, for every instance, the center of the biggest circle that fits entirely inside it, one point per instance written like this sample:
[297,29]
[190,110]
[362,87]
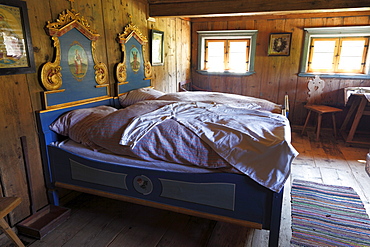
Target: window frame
[226,35]
[365,57]
[333,32]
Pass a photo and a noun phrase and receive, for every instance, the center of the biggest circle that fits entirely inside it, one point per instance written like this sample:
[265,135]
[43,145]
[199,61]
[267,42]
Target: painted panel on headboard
[134,71]
[75,76]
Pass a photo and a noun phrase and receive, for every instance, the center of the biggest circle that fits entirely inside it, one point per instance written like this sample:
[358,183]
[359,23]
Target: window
[226,52]
[227,55]
[336,52]
[338,55]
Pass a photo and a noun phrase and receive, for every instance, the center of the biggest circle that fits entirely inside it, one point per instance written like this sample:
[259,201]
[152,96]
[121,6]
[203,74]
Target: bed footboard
[233,198]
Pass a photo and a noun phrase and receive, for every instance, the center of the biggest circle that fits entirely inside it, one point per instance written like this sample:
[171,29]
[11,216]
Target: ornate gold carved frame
[51,73]
[122,69]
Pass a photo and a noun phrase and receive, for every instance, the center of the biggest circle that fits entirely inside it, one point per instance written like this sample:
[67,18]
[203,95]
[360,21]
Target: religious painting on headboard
[75,76]
[134,71]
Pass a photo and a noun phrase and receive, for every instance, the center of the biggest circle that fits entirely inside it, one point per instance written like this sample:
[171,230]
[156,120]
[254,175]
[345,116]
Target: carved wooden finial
[71,2]
[129,16]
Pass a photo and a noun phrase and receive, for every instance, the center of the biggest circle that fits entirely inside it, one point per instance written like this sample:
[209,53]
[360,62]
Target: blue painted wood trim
[46,136]
[277,201]
[219,194]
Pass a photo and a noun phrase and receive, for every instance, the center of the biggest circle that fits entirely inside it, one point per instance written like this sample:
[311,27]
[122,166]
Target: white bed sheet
[257,143]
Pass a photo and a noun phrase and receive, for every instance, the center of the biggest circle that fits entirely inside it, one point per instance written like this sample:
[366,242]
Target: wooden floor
[99,221]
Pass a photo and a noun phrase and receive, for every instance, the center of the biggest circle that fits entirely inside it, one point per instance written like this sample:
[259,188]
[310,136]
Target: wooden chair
[7,204]
[315,87]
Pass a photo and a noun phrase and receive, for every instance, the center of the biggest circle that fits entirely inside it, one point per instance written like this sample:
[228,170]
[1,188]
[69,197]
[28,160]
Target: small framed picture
[16,52]
[157,47]
[279,44]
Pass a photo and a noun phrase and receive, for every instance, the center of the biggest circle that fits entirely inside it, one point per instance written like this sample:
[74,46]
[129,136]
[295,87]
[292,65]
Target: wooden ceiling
[194,8]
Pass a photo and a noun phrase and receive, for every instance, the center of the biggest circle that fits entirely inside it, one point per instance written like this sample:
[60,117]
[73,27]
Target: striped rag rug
[327,215]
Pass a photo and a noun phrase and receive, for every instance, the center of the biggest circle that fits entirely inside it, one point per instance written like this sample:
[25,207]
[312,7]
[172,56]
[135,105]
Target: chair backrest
[315,90]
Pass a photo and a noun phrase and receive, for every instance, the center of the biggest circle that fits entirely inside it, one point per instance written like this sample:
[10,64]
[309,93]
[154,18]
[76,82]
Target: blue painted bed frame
[253,206]
[246,202]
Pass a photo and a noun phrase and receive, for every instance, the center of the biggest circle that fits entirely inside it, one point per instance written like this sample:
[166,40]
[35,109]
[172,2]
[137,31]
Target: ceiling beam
[190,8]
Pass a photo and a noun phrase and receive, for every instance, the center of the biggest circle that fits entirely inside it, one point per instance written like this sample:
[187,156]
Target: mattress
[109,157]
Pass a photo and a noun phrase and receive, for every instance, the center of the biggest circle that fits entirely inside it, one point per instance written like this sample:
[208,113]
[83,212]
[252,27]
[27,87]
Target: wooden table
[358,102]
[7,204]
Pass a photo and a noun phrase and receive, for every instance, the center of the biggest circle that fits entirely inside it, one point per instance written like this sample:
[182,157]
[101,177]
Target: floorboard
[106,222]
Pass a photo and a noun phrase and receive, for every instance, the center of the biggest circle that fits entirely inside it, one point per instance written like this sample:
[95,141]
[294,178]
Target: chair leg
[306,122]
[9,232]
[319,118]
[334,124]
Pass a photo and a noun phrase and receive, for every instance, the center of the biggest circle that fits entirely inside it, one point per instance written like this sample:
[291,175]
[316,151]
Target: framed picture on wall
[157,54]
[16,52]
[279,44]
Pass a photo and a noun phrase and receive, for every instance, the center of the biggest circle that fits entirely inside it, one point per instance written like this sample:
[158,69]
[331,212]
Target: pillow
[75,124]
[139,95]
[235,100]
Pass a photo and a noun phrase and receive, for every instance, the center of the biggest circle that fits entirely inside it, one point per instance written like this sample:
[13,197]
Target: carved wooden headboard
[75,76]
[134,71]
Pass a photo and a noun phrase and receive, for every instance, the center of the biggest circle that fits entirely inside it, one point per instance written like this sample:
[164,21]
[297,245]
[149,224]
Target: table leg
[306,122]
[357,118]
[350,112]
[319,119]
[334,124]
[9,232]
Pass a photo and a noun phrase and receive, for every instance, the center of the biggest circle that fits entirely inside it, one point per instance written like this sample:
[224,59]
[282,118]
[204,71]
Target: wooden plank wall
[276,76]
[21,94]
[176,67]
[16,121]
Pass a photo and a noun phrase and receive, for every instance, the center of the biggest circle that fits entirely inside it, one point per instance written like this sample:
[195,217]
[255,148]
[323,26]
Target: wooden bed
[250,204]
[221,196]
